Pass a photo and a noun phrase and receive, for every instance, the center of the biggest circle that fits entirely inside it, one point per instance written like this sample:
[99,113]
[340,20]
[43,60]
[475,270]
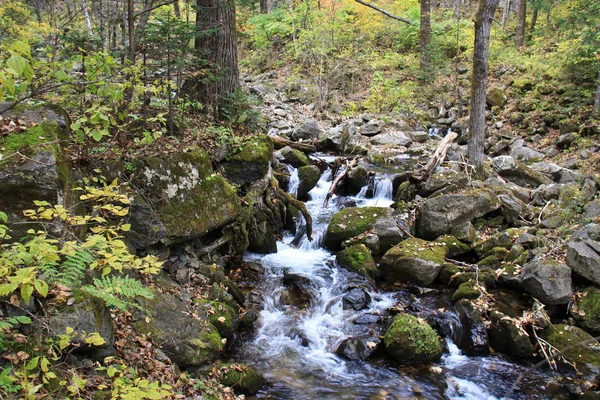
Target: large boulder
[557,173]
[506,337]
[548,281]
[251,163]
[392,139]
[585,309]
[343,139]
[221,316]
[441,214]
[412,341]
[577,347]
[294,157]
[309,176]
[307,130]
[582,252]
[414,261]
[357,258]
[350,222]
[186,339]
[518,173]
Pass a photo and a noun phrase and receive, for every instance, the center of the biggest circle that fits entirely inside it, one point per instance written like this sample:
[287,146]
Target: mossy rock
[222,316]
[357,258]
[251,163]
[495,97]
[309,176]
[352,221]
[447,273]
[217,276]
[566,339]
[486,277]
[414,261]
[523,84]
[467,290]
[455,246]
[185,339]
[412,341]
[294,157]
[586,310]
[505,337]
[242,378]
[504,239]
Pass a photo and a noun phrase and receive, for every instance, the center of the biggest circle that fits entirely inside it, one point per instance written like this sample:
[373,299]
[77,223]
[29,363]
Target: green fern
[72,271]
[118,291]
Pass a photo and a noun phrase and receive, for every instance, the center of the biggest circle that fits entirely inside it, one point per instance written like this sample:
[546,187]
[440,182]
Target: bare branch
[406,21]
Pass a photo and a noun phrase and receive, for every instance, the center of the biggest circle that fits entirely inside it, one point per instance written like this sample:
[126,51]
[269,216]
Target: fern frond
[118,291]
[75,266]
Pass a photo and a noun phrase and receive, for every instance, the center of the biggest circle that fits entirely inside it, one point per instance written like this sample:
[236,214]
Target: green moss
[257,150]
[523,84]
[222,316]
[32,137]
[503,239]
[415,247]
[350,222]
[565,338]
[358,258]
[466,290]
[447,272]
[486,277]
[205,346]
[455,246]
[242,378]
[412,341]
[589,302]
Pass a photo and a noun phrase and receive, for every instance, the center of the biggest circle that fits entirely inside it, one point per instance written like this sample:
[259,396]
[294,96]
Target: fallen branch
[436,159]
[280,143]
[386,13]
[296,203]
[337,181]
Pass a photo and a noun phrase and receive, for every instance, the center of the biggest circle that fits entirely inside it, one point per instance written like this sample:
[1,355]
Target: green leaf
[20,47]
[41,203]
[22,319]
[3,217]
[8,288]
[42,287]
[26,292]
[19,65]
[32,364]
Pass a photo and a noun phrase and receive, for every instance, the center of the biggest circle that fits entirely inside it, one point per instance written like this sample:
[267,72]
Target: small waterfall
[294,180]
[382,192]
[383,189]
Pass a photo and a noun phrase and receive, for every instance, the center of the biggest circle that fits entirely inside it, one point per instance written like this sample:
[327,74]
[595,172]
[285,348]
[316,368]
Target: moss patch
[242,378]
[358,258]
[455,246]
[412,341]
[352,221]
[586,357]
[222,316]
[466,290]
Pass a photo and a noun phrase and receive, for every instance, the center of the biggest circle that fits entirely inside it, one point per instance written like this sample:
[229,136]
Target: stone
[527,240]
[221,316]
[355,180]
[495,97]
[309,176]
[526,154]
[293,157]
[216,275]
[565,140]
[518,173]
[568,128]
[442,214]
[414,261]
[388,232]
[582,252]
[442,178]
[352,221]
[357,258]
[473,340]
[591,210]
[242,378]
[412,341]
[392,139]
[585,310]
[466,290]
[356,298]
[186,340]
[506,337]
[307,130]
[548,281]
[371,128]
[455,246]
[251,163]
[514,210]
[359,347]
[301,288]
[565,338]
[419,136]
[557,173]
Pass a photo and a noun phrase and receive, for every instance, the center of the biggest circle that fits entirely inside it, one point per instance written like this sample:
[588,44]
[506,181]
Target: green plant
[118,291]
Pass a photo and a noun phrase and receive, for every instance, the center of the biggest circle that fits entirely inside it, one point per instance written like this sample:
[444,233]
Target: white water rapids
[295,347]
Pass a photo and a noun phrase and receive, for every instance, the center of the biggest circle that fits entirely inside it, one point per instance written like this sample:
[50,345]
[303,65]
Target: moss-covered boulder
[44,175]
[586,310]
[506,337]
[504,239]
[413,261]
[242,378]
[309,176]
[523,84]
[412,341]
[221,315]
[293,157]
[466,290]
[352,221]
[357,258]
[441,214]
[455,246]
[577,347]
[495,97]
[185,339]
[216,276]
[251,163]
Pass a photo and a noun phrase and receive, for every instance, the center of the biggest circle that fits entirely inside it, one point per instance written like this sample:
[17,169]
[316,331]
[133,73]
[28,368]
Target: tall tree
[483,26]
[266,6]
[521,24]
[425,33]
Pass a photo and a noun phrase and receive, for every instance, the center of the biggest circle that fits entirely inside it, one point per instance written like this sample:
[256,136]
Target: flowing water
[294,346]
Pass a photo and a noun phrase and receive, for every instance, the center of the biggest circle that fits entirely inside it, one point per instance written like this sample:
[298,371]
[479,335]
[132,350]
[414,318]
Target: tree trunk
[266,6]
[425,33]
[505,12]
[596,110]
[534,17]
[176,9]
[457,9]
[216,30]
[521,23]
[131,32]
[483,26]
[88,19]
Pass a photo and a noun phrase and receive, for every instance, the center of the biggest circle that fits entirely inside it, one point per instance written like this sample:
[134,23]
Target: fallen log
[436,159]
[338,179]
[280,143]
[296,203]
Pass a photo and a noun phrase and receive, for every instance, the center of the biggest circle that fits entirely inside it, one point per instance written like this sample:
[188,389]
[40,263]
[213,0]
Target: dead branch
[337,180]
[386,13]
[296,203]
[280,143]
[436,159]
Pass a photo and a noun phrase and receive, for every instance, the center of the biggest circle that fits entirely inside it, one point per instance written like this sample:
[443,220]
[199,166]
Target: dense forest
[286,199]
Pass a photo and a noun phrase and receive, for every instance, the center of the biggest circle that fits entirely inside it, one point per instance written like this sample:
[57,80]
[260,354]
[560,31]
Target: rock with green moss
[586,310]
[448,274]
[352,221]
[412,341]
[441,214]
[251,163]
[222,316]
[242,378]
[44,174]
[455,246]
[185,339]
[506,337]
[486,277]
[216,275]
[466,290]
[413,261]
[495,97]
[293,157]
[577,347]
[523,84]
[357,258]
[518,173]
[309,176]
[547,280]
[504,239]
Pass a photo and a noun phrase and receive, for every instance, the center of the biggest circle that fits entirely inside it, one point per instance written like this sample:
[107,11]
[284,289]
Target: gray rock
[545,193]
[557,173]
[506,337]
[442,178]
[309,176]
[307,130]
[371,128]
[514,210]
[527,240]
[592,209]
[358,347]
[355,180]
[413,261]
[356,298]
[419,136]
[386,229]
[518,173]
[583,252]
[526,154]
[392,138]
[294,157]
[548,281]
[565,140]
[442,214]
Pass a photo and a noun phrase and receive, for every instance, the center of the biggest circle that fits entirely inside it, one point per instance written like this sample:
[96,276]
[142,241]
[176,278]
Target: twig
[406,21]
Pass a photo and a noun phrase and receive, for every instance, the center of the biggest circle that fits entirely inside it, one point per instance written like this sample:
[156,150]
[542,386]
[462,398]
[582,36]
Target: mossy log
[280,143]
[287,198]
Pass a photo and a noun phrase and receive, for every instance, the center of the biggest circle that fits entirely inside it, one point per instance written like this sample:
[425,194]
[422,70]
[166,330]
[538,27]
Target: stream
[295,346]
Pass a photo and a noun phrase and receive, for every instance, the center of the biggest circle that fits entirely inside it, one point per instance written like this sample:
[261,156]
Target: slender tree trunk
[176,9]
[548,15]
[505,12]
[596,110]
[425,34]
[457,9]
[88,20]
[266,6]
[131,31]
[534,17]
[434,5]
[521,23]
[483,26]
